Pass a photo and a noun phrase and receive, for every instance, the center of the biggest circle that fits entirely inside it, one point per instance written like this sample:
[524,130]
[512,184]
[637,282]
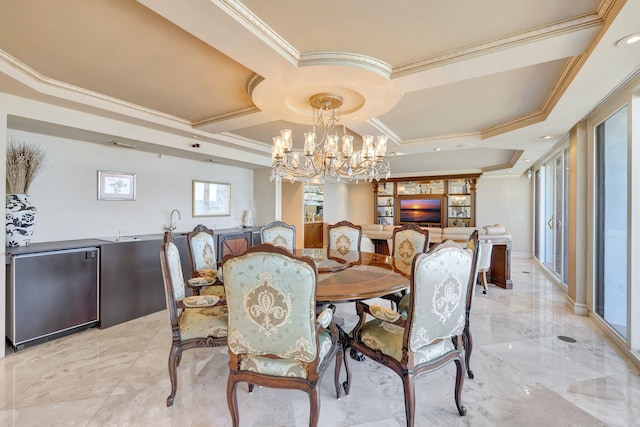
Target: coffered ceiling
[461,86]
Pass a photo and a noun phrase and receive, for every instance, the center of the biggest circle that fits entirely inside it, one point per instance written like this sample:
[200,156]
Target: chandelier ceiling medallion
[327,158]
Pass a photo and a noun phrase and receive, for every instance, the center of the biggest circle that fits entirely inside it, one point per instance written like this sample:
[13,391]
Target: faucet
[171,226]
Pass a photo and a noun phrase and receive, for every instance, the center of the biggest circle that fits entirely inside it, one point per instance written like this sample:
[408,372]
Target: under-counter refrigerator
[51,294]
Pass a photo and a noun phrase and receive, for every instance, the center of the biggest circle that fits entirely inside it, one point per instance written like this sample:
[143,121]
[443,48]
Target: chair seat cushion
[403,305]
[285,367]
[215,290]
[203,322]
[387,337]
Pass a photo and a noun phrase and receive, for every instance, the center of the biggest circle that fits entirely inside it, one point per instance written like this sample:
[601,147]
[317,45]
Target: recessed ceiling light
[527,160]
[437,149]
[629,40]
[546,137]
[196,136]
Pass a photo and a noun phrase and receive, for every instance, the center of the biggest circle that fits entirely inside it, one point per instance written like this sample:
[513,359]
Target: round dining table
[355,276]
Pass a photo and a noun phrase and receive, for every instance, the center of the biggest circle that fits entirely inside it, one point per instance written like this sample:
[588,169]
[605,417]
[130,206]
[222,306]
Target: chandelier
[329,157]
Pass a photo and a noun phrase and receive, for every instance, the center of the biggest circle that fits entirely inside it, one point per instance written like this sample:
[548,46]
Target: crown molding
[49,86]
[514,159]
[511,41]
[261,30]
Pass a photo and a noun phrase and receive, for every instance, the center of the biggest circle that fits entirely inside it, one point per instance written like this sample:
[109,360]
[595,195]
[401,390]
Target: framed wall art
[211,198]
[116,185]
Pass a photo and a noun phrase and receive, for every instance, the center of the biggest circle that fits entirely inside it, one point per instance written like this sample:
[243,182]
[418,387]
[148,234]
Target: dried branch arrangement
[24,161]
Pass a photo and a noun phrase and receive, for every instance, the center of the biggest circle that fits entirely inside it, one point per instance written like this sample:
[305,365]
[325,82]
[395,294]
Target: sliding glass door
[551,189]
[611,221]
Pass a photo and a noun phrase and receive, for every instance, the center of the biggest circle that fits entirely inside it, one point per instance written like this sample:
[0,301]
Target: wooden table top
[356,275]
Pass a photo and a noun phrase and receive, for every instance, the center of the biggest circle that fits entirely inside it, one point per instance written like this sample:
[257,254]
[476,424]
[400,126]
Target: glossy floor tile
[524,376]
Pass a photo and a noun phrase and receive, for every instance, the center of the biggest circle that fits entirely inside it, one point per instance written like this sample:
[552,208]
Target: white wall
[65,193]
[336,202]
[264,193]
[506,201]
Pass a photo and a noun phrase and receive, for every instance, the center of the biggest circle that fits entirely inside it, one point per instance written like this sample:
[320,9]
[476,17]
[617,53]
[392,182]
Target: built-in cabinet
[435,201]
[313,206]
[313,232]
[56,288]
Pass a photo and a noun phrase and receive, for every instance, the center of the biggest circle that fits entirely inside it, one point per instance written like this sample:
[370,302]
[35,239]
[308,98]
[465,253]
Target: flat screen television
[421,210]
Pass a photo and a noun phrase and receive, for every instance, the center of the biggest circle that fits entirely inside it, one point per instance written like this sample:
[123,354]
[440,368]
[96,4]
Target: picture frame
[211,198]
[116,185]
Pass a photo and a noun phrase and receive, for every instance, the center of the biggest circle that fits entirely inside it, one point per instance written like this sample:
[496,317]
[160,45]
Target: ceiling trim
[514,159]
[345,58]
[251,22]
[562,82]
[513,40]
[442,137]
[226,116]
[47,82]
[393,137]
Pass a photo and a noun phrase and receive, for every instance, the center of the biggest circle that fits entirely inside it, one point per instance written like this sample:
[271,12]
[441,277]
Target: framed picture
[211,198]
[116,185]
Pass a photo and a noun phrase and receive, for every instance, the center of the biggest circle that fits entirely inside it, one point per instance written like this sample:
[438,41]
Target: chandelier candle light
[326,158]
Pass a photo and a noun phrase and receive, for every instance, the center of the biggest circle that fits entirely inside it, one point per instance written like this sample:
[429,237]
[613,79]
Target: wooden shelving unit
[435,201]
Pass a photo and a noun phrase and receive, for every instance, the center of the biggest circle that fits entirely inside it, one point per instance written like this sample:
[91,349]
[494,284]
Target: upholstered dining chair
[408,241]
[196,321]
[275,338]
[343,239]
[484,264]
[203,262]
[430,335]
[279,233]
[366,245]
[473,246]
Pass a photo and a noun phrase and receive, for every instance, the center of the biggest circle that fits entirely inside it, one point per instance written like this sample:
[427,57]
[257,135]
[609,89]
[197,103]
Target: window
[611,221]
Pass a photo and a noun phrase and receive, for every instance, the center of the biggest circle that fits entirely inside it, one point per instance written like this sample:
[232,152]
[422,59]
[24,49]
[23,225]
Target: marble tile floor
[525,376]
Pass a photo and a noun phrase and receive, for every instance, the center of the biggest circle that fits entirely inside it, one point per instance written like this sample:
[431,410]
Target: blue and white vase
[21,220]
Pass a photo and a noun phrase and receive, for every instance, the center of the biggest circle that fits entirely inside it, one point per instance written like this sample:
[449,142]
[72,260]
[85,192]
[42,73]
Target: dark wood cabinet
[500,270]
[313,235]
[131,283]
[233,243]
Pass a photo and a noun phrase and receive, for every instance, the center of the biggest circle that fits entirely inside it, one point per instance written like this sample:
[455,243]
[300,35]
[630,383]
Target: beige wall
[292,208]
[507,200]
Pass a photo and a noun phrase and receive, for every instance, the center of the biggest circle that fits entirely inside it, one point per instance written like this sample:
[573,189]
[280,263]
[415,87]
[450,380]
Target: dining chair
[203,262]
[430,336]
[279,233]
[407,242]
[344,240]
[196,321]
[473,246]
[484,265]
[275,338]
[366,245]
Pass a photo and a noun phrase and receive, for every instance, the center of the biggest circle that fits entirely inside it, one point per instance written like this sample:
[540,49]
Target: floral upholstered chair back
[344,240]
[271,303]
[202,250]
[173,279]
[279,234]
[438,298]
[409,241]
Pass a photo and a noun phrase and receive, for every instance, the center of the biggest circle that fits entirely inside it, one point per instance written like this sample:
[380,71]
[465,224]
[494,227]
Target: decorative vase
[20,220]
